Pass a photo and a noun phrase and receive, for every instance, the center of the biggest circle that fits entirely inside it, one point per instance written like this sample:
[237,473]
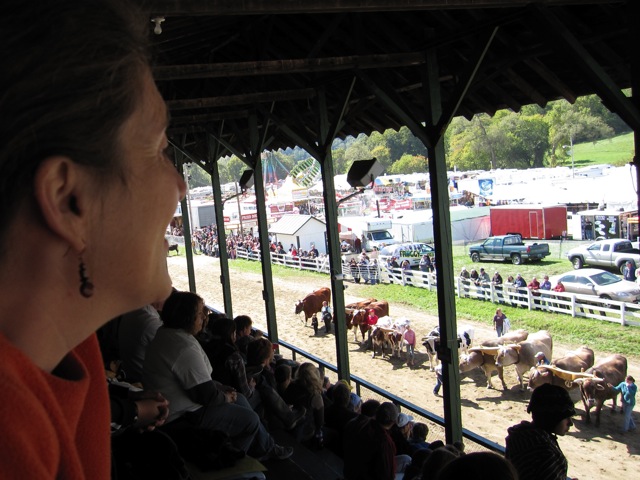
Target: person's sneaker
[278,452]
[297,414]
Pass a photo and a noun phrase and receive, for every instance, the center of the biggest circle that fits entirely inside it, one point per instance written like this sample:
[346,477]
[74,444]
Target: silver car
[593,281]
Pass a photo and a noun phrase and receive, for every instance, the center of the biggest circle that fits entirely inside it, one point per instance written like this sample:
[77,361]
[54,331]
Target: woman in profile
[87,193]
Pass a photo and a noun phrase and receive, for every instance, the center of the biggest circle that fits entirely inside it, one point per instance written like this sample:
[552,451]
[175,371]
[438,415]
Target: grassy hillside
[615,151]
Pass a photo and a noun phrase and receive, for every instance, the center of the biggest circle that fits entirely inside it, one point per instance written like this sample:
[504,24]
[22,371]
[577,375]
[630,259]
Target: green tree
[358,150]
[410,164]
[569,124]
[469,145]
[339,160]
[231,169]
[198,177]
[522,141]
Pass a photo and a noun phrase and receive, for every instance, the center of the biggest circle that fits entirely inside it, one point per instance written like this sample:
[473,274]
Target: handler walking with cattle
[628,389]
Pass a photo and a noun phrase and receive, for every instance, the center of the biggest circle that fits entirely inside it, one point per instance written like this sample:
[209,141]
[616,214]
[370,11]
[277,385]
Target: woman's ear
[61,195]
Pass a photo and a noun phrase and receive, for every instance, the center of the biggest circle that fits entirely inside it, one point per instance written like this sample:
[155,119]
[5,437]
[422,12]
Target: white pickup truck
[612,253]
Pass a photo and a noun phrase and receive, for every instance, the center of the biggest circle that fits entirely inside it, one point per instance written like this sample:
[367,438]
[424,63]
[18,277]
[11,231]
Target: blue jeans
[436,389]
[241,423]
[628,424]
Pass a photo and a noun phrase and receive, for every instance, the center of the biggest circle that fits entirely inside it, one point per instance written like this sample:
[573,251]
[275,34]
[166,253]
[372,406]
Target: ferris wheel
[306,173]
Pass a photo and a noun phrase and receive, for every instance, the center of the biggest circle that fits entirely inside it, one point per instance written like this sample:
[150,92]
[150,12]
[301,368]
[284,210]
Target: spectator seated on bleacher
[226,360]
[177,366]
[369,449]
[259,364]
[136,329]
[336,417]
[418,438]
[244,333]
[305,390]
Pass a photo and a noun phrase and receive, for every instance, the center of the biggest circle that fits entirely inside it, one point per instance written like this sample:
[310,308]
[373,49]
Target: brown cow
[358,318]
[312,303]
[361,304]
[595,391]
[576,361]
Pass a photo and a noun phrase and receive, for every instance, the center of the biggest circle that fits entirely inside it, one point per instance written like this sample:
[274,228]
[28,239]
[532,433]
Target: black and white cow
[432,342]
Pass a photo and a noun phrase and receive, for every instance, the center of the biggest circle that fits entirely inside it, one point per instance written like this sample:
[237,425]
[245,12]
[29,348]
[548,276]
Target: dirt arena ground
[593,453]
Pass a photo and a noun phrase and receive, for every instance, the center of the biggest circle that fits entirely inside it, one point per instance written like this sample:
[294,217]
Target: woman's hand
[230,394]
[152,408]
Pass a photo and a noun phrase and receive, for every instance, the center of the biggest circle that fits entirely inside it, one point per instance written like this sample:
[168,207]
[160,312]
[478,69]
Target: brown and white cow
[595,391]
[483,358]
[358,318]
[563,370]
[312,303]
[382,338]
[523,354]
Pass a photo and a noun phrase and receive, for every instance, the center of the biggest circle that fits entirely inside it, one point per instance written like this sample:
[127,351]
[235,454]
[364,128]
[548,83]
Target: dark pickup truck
[508,247]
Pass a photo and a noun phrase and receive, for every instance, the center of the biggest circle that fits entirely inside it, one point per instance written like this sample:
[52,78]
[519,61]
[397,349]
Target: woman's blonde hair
[308,376]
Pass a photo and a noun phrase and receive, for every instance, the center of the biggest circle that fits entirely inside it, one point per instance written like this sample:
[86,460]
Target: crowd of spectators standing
[481,282]
[205,241]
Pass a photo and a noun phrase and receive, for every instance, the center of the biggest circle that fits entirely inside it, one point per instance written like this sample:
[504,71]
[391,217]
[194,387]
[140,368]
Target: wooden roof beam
[244,99]
[551,78]
[529,90]
[287,7]
[207,118]
[603,84]
[287,67]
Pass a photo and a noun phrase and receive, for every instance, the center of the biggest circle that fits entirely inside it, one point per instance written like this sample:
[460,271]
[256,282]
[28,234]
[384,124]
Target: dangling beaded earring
[86,287]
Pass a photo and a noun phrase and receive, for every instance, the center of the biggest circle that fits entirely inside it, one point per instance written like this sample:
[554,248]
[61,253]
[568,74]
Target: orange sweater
[54,426]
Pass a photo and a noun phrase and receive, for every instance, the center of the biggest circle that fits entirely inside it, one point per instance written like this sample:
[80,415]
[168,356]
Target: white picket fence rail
[585,306]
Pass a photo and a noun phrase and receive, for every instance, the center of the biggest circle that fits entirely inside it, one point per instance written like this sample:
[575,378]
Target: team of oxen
[576,369]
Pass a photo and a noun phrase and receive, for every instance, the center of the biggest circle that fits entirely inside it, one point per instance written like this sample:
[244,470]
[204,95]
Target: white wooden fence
[585,306]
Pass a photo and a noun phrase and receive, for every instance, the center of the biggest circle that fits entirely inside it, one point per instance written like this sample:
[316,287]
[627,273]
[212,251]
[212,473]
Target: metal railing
[361,384]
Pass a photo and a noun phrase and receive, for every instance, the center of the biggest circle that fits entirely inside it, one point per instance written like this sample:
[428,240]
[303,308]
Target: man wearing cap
[465,280]
[541,359]
[483,281]
[532,447]
[628,388]
[629,272]
[496,280]
[372,320]
[400,433]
